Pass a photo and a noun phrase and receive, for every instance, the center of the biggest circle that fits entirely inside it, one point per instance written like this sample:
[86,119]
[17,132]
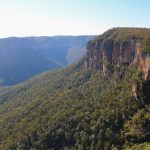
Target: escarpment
[106,55]
[119,47]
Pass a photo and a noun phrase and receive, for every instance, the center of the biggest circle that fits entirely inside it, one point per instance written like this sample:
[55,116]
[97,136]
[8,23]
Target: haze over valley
[22,58]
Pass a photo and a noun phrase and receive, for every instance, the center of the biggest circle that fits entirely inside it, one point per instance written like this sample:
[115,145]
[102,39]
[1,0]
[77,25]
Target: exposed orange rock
[103,55]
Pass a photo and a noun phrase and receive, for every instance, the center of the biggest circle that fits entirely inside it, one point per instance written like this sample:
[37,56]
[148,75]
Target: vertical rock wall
[105,56]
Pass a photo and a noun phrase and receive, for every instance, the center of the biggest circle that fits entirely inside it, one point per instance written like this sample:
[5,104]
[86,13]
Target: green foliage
[71,108]
[146,45]
[122,34]
[137,128]
[143,146]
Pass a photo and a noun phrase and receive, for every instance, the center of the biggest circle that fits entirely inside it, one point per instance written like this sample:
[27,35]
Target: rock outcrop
[116,47]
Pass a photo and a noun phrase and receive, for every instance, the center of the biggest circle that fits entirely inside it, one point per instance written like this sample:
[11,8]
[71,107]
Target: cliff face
[118,48]
[105,54]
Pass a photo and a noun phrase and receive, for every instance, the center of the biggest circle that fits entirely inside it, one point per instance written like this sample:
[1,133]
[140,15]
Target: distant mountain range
[22,58]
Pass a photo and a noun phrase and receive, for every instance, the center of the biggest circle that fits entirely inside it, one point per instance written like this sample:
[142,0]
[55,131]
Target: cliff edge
[120,47]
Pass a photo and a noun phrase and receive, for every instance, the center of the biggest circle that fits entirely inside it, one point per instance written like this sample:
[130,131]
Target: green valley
[100,103]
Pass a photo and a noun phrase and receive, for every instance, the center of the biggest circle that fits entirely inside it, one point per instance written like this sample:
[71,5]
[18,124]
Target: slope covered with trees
[76,108]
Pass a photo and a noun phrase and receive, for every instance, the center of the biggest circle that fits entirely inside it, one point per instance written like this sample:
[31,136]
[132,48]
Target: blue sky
[70,17]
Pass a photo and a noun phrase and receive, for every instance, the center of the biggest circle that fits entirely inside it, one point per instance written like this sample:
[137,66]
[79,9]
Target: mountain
[120,46]
[22,58]
[99,103]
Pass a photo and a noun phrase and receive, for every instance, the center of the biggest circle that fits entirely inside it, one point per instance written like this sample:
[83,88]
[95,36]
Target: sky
[70,17]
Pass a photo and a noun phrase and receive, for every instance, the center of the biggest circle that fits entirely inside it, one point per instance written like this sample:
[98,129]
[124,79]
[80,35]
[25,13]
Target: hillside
[22,58]
[102,102]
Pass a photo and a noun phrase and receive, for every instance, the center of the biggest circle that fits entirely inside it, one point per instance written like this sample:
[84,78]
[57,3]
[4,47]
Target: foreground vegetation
[73,108]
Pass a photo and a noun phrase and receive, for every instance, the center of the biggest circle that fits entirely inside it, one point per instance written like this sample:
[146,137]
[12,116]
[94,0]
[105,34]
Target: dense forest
[76,108]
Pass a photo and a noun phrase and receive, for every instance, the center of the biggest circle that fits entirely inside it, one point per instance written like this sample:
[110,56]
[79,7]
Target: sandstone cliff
[119,47]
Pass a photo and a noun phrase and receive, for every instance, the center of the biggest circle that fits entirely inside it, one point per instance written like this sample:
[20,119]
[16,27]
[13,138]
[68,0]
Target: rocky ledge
[120,47]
